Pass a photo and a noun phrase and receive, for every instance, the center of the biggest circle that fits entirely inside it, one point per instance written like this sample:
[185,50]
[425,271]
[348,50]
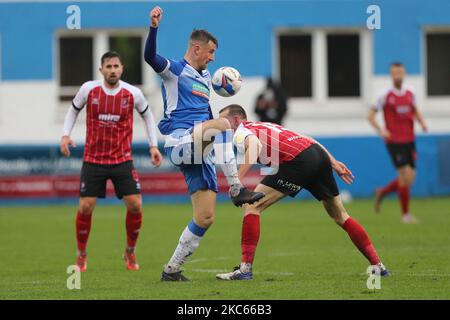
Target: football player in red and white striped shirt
[110,104]
[300,163]
[400,110]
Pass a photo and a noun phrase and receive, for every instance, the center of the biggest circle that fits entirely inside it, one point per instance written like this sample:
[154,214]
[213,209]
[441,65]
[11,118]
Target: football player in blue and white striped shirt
[192,134]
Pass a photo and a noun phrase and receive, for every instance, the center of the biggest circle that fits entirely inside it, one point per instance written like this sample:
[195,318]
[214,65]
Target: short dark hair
[235,110]
[109,55]
[203,35]
[397,64]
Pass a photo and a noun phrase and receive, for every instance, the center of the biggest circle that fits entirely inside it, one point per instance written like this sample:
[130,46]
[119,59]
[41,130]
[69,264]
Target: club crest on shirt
[124,103]
[239,138]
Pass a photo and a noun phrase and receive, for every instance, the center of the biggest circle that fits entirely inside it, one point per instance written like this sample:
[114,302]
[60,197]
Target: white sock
[187,244]
[225,157]
[245,267]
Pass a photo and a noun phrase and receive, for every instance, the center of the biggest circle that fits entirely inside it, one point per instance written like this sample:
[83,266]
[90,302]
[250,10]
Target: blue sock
[196,229]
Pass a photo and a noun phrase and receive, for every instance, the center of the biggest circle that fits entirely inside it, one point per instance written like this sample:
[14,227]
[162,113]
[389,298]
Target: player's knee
[341,218]
[134,207]
[86,208]
[403,180]
[410,180]
[205,220]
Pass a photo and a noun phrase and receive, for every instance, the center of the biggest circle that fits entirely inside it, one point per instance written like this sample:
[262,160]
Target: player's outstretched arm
[252,151]
[66,141]
[156,156]
[145,112]
[421,120]
[156,16]
[150,129]
[383,133]
[343,172]
[69,122]
[157,62]
[340,168]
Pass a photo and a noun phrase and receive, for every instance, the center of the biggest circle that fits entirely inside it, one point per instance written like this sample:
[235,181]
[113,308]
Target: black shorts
[94,176]
[310,170]
[402,154]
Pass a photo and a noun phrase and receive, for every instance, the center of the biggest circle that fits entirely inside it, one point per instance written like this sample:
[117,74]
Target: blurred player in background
[189,127]
[107,153]
[302,163]
[400,110]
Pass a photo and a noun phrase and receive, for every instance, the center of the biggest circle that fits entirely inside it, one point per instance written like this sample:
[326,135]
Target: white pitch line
[257,272]
[286,254]
[277,254]
[207,259]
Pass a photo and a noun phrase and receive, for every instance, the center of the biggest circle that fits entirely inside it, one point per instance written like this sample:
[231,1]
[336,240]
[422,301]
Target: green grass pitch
[302,254]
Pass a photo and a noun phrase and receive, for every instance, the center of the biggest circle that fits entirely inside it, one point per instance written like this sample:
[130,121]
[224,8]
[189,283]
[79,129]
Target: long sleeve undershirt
[69,121]
[157,62]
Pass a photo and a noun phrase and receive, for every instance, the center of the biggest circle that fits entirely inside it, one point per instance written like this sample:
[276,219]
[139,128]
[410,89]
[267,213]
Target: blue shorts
[198,176]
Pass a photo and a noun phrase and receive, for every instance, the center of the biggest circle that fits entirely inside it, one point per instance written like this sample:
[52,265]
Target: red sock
[250,237]
[403,195]
[361,240]
[390,187]
[83,227]
[133,224]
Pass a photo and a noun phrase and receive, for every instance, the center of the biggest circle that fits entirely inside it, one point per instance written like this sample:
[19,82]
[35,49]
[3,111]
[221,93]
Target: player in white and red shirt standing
[109,103]
[300,163]
[400,110]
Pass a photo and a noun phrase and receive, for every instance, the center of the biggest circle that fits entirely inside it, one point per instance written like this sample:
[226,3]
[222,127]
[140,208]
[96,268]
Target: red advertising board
[57,186]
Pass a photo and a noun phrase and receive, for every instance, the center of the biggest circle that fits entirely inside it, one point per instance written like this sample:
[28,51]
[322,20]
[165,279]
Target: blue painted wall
[244,29]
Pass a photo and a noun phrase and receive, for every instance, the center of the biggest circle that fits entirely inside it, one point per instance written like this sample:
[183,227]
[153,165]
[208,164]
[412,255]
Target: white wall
[31,113]
[341,116]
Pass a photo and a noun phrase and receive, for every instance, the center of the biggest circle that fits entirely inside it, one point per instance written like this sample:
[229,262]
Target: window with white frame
[79,58]
[130,49]
[296,65]
[75,64]
[438,63]
[343,65]
[321,64]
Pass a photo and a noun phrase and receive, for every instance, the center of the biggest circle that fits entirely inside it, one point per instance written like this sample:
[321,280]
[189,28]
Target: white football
[226,81]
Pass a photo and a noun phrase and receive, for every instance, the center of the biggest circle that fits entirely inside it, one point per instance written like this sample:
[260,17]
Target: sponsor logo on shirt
[109,117]
[200,90]
[403,109]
